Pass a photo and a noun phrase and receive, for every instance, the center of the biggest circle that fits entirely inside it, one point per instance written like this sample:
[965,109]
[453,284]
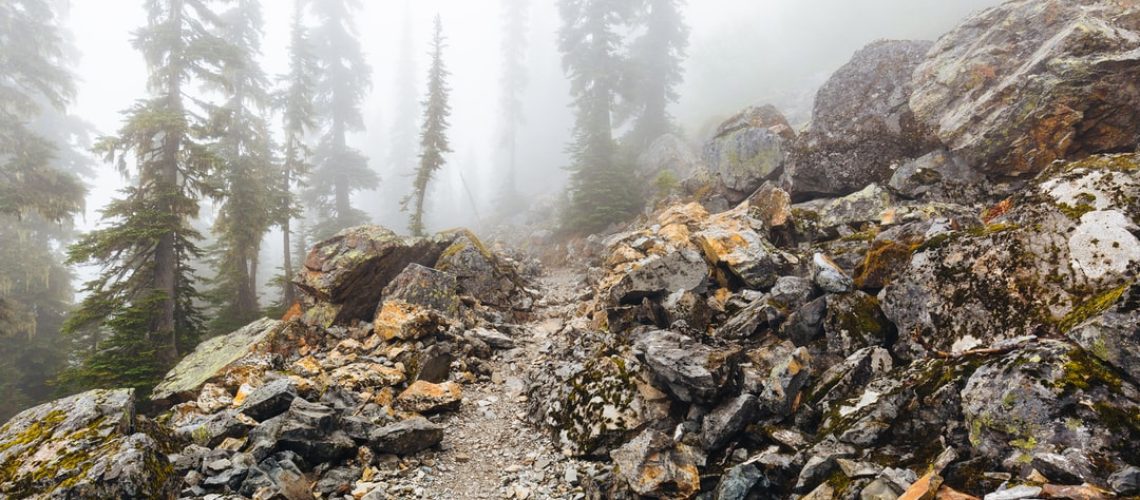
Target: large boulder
[862,124]
[654,466]
[83,446]
[480,273]
[212,358]
[749,149]
[659,275]
[1114,336]
[1028,82]
[425,287]
[668,153]
[1063,254]
[345,275]
[689,370]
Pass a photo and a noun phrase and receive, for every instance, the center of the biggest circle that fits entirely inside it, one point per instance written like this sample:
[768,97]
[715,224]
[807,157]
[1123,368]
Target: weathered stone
[771,205]
[730,240]
[740,481]
[726,420]
[433,364]
[668,153]
[1020,492]
[938,176]
[791,292]
[1126,481]
[805,325]
[924,489]
[862,123]
[690,371]
[406,437]
[367,375]
[493,338]
[822,461]
[426,397]
[653,465]
[424,287]
[349,271]
[827,218]
[829,276]
[397,319]
[481,274]
[1113,336]
[211,359]
[659,275]
[758,317]
[1023,84]
[786,379]
[211,430]
[269,400]
[81,447]
[1059,256]
[748,149]
[854,321]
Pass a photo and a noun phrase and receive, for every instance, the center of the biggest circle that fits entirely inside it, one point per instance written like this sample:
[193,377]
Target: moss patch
[1091,308]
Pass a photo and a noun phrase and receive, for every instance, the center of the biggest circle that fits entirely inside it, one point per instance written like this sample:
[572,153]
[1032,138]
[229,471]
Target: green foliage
[433,135]
[655,70]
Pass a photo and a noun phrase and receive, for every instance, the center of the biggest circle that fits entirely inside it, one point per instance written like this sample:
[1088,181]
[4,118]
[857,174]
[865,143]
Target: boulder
[788,376]
[407,437]
[426,397]
[829,218]
[829,276]
[1062,254]
[211,359]
[269,400]
[1053,400]
[654,466]
[862,124]
[659,275]
[366,375]
[399,320]
[771,205]
[855,321]
[727,420]
[347,273]
[690,371]
[732,242]
[482,274]
[1028,82]
[424,287]
[1113,335]
[749,149]
[83,446]
[668,153]
[938,176]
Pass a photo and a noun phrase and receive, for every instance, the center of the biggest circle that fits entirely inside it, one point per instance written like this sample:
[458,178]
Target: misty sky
[742,52]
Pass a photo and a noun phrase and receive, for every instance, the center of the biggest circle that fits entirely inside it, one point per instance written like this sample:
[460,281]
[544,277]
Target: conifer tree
[656,59]
[247,180]
[601,189]
[342,83]
[433,134]
[404,130]
[145,298]
[514,80]
[295,101]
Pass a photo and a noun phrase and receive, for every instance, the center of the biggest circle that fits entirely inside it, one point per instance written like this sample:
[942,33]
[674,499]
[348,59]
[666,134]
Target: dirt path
[488,450]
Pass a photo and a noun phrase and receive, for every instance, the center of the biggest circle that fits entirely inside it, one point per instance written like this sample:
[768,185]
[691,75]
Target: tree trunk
[168,190]
[288,296]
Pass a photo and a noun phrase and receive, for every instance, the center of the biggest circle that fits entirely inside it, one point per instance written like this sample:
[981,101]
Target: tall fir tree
[601,189]
[295,102]
[40,193]
[656,70]
[343,81]
[513,83]
[402,135]
[246,176]
[145,299]
[433,134]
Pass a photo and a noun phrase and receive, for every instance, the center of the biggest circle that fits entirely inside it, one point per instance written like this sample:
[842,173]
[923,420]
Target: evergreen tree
[247,179]
[404,130]
[295,102]
[433,134]
[601,189]
[144,302]
[514,80]
[342,83]
[656,69]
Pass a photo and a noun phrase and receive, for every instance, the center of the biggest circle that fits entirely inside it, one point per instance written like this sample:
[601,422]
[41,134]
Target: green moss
[1083,371]
[935,243]
[805,215]
[1091,308]
[36,432]
[1076,212]
[991,229]
[1112,163]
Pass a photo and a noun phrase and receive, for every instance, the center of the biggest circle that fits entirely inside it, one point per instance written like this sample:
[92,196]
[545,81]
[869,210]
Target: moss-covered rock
[82,447]
[212,358]
[748,149]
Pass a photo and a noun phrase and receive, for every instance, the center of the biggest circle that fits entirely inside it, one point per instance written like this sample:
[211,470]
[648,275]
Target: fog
[742,52]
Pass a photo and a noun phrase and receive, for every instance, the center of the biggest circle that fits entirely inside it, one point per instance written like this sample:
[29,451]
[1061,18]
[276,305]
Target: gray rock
[748,149]
[829,276]
[425,287]
[1112,335]
[829,218]
[740,481]
[821,462]
[407,437]
[855,321]
[1021,492]
[668,153]
[653,465]
[659,275]
[690,371]
[211,430]
[493,338]
[787,378]
[938,176]
[491,280]
[211,358]
[805,325]
[727,420]
[758,317]
[269,400]
[1126,481]
[792,292]
[862,123]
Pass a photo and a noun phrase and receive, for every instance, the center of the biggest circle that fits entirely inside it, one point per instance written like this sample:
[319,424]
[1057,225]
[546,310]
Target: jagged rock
[269,400]
[938,176]
[787,378]
[841,380]
[1028,82]
[689,307]
[854,321]
[275,477]
[653,465]
[346,274]
[397,319]
[740,481]
[212,358]
[1019,492]
[727,420]
[806,324]
[432,364]
[493,338]
[367,375]
[310,431]
[211,430]
[731,240]
[406,437]
[690,371]
[862,123]
[659,275]
[481,274]
[748,149]
[771,205]
[757,317]
[82,447]
[1112,335]
[792,292]
[337,481]
[426,397]
[829,276]
[1062,254]
[424,287]
[1126,481]
[821,462]
[1052,399]
[828,218]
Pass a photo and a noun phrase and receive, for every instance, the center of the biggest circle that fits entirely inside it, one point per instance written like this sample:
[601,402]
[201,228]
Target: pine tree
[602,189]
[247,178]
[295,102]
[145,301]
[656,61]
[404,130]
[514,80]
[433,134]
[342,83]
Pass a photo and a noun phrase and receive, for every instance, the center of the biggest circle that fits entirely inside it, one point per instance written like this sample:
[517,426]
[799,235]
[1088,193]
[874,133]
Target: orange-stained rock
[359,375]
[924,489]
[948,493]
[426,397]
[404,321]
[654,466]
